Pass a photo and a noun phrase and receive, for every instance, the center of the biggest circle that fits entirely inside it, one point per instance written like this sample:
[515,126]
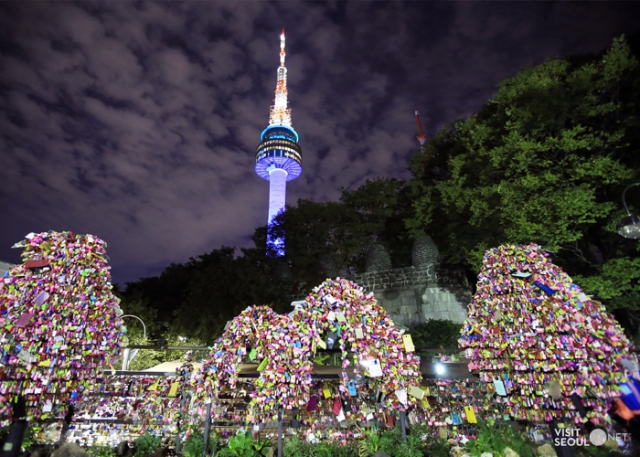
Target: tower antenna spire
[282,53]
[421,136]
[280,112]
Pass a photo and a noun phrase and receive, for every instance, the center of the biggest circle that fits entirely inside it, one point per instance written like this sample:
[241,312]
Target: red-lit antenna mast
[421,136]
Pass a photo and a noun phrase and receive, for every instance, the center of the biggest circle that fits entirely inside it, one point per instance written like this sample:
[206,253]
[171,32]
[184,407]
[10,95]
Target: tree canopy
[545,160]
[344,230]
[196,299]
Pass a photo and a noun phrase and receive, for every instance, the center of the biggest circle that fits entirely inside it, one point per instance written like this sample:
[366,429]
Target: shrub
[146,445]
[496,439]
[194,445]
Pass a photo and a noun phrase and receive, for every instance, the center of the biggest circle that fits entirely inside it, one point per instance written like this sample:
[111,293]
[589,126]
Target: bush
[435,333]
[497,439]
[295,447]
[593,451]
[146,445]
[102,451]
[194,445]
[242,445]
[389,440]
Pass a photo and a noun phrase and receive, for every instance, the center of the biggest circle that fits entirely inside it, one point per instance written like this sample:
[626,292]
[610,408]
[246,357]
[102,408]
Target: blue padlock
[548,290]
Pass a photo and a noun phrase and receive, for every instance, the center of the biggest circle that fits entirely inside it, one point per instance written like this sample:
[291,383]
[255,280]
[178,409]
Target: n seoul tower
[278,157]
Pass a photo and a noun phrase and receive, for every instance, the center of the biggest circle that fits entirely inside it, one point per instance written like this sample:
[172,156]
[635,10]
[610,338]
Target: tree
[435,333]
[196,299]
[544,161]
[314,229]
[372,213]
[222,287]
[382,205]
[156,299]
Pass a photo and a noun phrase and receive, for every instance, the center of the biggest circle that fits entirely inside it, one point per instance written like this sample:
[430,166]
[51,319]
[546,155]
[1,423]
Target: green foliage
[348,450]
[146,445]
[437,447]
[147,358]
[194,445]
[382,205]
[435,333]
[196,300]
[30,435]
[323,450]
[295,447]
[372,213]
[389,440]
[617,284]
[595,451]
[29,438]
[496,439]
[262,446]
[156,299]
[242,445]
[412,447]
[315,229]
[370,444]
[546,161]
[102,451]
[434,446]
[222,286]
[321,359]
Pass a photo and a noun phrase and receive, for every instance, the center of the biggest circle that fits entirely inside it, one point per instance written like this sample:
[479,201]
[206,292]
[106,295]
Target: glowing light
[278,156]
[277,200]
[280,114]
[440,369]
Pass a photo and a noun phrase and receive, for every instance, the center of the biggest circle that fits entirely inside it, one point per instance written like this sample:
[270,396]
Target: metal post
[280,432]
[67,422]
[13,444]
[125,359]
[182,407]
[207,426]
[403,425]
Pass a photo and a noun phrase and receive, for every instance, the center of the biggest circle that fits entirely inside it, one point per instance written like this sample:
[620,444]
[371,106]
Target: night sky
[138,122]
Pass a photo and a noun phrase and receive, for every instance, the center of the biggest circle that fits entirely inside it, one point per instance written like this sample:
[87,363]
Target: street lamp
[629,227]
[127,356]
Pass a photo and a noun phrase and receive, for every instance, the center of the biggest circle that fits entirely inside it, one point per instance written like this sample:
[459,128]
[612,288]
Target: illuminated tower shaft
[277,192]
[278,157]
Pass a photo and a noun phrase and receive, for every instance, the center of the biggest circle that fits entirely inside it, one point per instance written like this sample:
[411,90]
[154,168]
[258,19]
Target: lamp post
[629,226]
[127,356]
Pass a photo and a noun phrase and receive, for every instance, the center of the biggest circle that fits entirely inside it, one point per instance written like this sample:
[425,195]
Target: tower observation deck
[278,156]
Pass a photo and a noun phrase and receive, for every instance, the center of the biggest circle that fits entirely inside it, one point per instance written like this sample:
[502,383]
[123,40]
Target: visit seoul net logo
[597,437]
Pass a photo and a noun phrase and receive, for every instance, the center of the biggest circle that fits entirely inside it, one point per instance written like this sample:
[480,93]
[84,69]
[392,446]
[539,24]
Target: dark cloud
[138,121]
